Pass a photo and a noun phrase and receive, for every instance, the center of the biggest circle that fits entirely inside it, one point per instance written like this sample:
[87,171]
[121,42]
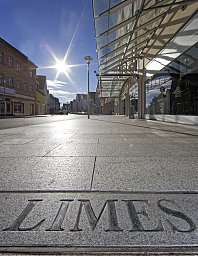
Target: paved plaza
[107,184]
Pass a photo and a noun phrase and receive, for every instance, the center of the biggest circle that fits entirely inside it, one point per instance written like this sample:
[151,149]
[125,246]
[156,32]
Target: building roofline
[15,49]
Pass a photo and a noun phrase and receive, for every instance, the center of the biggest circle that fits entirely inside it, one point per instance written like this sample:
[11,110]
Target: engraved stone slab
[103,221]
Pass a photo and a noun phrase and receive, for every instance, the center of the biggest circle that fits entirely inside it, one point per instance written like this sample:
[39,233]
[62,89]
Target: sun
[61,67]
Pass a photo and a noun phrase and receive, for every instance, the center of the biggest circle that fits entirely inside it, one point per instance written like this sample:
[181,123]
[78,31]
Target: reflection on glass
[174,90]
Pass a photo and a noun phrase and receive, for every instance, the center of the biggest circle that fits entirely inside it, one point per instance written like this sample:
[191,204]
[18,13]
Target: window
[2,107]
[6,107]
[18,84]
[18,107]
[25,87]
[18,66]
[10,61]
[1,79]
[31,74]
[175,94]
[1,57]
[10,81]
[30,88]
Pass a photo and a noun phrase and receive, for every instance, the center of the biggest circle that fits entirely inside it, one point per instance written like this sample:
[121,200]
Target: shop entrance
[6,108]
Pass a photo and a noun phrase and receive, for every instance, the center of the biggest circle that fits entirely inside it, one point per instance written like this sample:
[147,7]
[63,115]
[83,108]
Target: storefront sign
[7,91]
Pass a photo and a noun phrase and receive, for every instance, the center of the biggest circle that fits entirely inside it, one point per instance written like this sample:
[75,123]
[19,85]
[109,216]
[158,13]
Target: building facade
[147,52]
[81,103]
[41,95]
[53,104]
[18,82]
[174,90]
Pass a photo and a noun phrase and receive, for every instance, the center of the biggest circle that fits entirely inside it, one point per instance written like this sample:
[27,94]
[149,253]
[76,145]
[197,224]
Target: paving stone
[146,173]
[26,150]
[121,149]
[16,141]
[46,173]
[98,221]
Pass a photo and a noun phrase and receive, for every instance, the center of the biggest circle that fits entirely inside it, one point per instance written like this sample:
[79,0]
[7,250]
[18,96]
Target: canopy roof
[132,29]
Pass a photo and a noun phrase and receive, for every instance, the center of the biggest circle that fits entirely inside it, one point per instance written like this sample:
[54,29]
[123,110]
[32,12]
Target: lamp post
[88,59]
[4,96]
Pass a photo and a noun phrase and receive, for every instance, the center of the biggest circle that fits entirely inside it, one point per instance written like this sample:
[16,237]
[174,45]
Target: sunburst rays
[61,65]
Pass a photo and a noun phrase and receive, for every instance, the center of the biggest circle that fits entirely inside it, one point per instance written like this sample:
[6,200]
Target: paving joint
[92,178]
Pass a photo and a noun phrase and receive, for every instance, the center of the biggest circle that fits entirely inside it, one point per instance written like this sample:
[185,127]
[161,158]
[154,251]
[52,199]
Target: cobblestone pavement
[107,184]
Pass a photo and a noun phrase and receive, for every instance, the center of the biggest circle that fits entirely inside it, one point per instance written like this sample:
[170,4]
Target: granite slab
[168,173]
[104,221]
[116,149]
[46,173]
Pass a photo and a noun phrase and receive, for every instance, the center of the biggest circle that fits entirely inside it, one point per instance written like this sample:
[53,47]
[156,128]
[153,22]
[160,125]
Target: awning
[130,30]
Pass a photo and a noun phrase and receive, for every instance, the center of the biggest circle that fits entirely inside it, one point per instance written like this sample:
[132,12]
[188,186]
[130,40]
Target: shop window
[2,107]
[1,57]
[175,92]
[6,107]
[10,61]
[18,107]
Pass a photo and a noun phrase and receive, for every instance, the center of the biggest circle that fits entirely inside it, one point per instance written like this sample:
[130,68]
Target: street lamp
[88,59]
[4,96]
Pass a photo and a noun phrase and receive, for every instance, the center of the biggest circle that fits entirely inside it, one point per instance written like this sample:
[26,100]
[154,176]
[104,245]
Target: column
[141,90]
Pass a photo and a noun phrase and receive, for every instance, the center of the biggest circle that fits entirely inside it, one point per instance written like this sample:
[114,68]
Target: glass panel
[115,26]
[103,40]
[193,52]
[175,91]
[101,25]
[2,107]
[114,2]
[104,23]
[100,6]
[18,107]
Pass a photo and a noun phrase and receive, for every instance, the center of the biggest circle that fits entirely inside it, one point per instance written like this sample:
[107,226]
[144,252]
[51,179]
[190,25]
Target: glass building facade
[147,56]
[174,89]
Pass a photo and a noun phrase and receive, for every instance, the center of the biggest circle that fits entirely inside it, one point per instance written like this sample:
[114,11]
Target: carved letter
[176,214]
[93,220]
[58,221]
[17,223]
[133,214]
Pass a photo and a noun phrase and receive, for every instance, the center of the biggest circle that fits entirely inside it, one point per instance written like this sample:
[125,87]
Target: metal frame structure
[130,33]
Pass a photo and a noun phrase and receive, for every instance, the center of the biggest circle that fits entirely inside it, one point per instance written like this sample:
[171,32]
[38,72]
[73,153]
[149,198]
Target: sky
[49,30]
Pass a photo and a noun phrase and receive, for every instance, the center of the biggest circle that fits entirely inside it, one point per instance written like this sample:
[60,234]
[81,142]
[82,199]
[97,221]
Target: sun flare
[61,66]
